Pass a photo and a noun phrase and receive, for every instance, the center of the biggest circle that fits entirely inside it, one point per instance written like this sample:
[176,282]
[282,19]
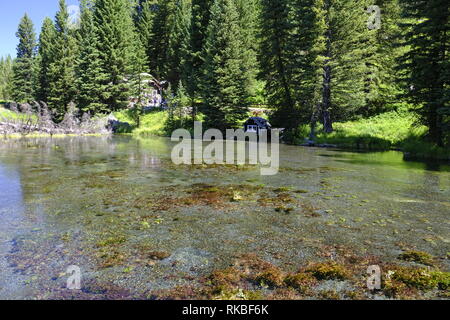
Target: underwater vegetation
[250,277]
[147,229]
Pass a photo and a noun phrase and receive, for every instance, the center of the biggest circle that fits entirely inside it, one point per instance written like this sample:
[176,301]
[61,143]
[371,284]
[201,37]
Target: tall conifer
[23,87]
[223,83]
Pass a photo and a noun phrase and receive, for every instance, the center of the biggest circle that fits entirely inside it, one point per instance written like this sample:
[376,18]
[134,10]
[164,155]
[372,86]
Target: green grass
[8,115]
[391,130]
[152,123]
[382,132]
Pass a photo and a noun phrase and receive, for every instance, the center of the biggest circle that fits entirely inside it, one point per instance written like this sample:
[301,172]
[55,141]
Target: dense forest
[313,62]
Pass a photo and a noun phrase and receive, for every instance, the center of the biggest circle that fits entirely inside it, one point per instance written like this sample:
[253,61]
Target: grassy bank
[8,115]
[393,130]
[382,132]
[153,123]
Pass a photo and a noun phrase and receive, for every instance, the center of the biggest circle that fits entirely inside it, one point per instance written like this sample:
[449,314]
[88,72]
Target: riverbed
[139,226]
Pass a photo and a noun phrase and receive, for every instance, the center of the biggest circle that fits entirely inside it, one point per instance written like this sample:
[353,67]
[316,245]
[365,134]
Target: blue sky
[11,11]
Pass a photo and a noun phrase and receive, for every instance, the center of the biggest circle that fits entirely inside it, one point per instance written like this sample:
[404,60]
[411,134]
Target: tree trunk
[435,130]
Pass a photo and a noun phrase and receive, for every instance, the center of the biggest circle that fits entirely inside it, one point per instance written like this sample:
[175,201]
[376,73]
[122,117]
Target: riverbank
[396,130]
[389,131]
[35,121]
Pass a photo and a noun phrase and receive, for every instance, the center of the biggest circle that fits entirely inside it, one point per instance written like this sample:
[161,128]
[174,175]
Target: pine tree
[6,74]
[223,84]
[275,57]
[88,68]
[23,89]
[139,68]
[382,79]
[177,109]
[428,65]
[307,61]
[249,13]
[62,68]
[155,23]
[144,16]
[178,56]
[161,31]
[116,42]
[46,44]
[199,25]
[345,61]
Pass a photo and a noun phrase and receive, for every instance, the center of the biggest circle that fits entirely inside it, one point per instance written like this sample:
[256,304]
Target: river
[136,224]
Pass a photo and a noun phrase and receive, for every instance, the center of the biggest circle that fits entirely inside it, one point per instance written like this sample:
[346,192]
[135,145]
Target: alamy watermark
[374,21]
[74,280]
[230,150]
[374,279]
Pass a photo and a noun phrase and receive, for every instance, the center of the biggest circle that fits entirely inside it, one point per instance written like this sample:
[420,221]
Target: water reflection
[392,158]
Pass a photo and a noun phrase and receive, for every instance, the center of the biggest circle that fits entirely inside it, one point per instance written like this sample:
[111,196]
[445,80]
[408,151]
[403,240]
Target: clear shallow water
[104,203]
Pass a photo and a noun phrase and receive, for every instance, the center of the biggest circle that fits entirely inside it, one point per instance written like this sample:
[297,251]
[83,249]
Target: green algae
[303,282]
[419,278]
[221,213]
[419,257]
[329,271]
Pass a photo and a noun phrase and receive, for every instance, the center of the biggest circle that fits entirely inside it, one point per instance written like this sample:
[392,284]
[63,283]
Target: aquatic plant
[271,277]
[301,281]
[420,278]
[329,271]
[418,256]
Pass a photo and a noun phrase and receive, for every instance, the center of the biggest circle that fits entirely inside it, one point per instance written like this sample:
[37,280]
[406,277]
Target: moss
[418,256]
[224,293]
[329,295]
[300,281]
[279,201]
[420,278]
[284,294]
[309,210]
[249,264]
[110,258]
[443,279]
[48,189]
[95,184]
[215,196]
[354,295]
[285,197]
[111,241]
[282,189]
[272,277]
[113,174]
[227,277]
[254,295]
[396,289]
[158,255]
[237,196]
[329,271]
